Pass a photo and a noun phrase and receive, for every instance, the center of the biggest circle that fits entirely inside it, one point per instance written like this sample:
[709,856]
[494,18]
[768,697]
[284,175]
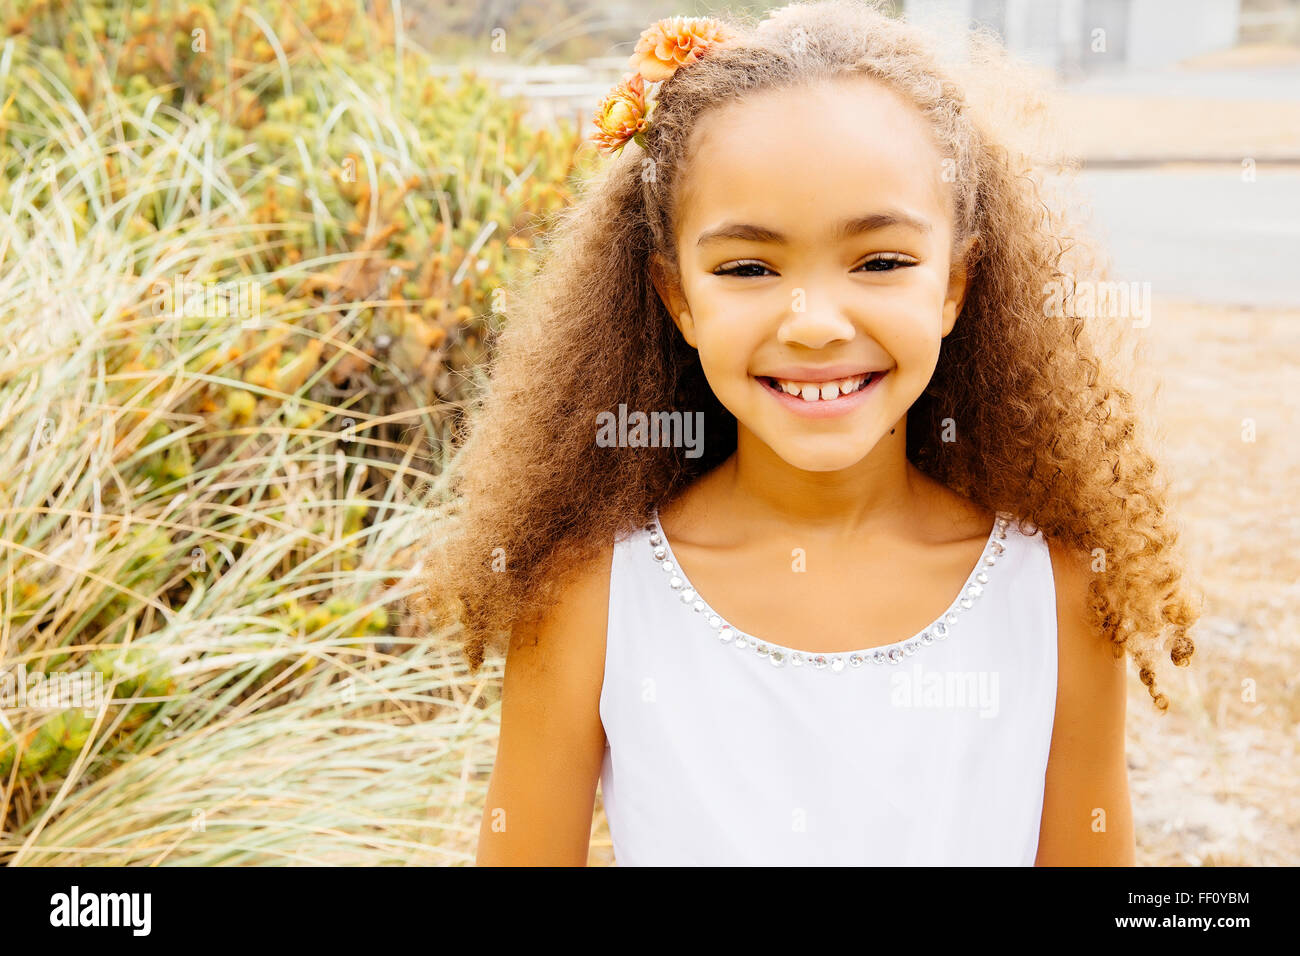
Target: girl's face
[814,243]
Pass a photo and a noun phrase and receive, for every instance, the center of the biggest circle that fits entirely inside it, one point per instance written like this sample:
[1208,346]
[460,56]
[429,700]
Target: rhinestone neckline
[938,630]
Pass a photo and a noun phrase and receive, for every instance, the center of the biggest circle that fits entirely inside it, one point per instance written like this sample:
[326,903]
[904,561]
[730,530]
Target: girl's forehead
[811,155]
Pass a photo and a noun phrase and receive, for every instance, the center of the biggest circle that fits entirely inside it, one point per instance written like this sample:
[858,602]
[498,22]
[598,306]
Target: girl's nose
[818,323]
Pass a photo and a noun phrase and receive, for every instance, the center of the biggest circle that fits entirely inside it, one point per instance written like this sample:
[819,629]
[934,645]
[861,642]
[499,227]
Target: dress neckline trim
[728,634]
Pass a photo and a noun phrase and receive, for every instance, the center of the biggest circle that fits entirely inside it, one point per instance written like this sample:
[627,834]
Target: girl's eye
[735,270]
[883,263]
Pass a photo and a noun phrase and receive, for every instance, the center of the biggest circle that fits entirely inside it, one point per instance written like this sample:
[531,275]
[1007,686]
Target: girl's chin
[807,453]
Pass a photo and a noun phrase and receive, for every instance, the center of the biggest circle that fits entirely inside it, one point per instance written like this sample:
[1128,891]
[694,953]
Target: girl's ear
[958,283]
[668,286]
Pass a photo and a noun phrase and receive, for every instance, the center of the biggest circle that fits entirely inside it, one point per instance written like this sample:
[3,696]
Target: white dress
[724,749]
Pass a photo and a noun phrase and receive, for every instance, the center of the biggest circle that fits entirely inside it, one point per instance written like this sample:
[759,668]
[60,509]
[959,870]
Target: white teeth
[823,392]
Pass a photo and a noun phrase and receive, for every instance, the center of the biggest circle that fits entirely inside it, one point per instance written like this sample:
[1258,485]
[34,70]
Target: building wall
[1164,31]
[1060,34]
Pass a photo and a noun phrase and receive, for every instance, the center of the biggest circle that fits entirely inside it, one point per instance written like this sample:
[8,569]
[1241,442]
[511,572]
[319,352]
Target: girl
[874,611]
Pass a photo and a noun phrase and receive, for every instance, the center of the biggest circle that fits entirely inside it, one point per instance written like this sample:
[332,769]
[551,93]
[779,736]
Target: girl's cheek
[732,329]
[909,328]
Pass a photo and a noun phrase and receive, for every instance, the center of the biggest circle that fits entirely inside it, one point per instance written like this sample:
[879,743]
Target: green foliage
[196,496]
[436,209]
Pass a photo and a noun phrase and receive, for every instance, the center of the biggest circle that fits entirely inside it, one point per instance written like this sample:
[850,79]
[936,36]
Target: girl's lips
[824,408]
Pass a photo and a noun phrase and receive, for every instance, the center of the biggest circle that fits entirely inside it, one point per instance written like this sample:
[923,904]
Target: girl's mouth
[825,399]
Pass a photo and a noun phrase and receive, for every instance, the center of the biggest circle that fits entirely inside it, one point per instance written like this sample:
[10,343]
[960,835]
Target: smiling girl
[883,617]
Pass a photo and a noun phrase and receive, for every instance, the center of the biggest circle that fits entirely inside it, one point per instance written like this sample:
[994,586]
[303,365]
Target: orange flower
[622,115]
[675,42]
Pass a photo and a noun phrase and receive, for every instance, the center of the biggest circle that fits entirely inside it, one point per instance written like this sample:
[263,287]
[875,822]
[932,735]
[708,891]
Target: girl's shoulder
[558,651]
[576,605]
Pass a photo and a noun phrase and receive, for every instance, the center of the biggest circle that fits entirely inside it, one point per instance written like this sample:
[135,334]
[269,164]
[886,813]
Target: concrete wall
[1059,34]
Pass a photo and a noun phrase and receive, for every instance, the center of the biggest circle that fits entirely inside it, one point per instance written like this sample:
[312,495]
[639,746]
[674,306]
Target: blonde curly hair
[1049,433]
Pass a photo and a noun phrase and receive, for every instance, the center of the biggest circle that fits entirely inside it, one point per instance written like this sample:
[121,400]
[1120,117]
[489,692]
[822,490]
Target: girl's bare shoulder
[572,622]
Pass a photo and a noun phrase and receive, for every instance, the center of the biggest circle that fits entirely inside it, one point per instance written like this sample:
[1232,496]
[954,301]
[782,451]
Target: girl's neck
[873,495]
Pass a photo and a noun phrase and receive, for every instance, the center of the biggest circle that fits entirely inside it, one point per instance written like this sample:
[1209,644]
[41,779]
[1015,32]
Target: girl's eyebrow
[846,229]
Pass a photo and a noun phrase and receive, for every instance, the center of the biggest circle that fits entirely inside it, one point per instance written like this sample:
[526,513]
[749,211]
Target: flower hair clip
[661,50]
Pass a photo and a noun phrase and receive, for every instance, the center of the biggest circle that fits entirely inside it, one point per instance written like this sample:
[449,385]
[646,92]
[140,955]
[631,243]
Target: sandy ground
[1213,780]
[1113,127]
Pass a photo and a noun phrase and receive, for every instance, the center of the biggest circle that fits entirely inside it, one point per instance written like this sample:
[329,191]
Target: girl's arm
[543,786]
[1087,813]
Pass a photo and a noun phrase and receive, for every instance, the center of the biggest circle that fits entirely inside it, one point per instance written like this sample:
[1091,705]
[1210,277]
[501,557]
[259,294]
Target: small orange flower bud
[622,115]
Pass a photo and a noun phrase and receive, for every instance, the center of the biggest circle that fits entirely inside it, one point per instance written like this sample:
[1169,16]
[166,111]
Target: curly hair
[1048,432]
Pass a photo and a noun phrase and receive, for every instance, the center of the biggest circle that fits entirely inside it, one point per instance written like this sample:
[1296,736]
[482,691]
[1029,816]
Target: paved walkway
[1202,234]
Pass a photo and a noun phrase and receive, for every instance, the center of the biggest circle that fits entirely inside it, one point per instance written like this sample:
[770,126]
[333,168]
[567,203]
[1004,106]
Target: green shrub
[214,508]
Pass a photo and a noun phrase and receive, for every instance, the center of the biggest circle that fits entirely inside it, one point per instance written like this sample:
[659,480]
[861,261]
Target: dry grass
[1214,780]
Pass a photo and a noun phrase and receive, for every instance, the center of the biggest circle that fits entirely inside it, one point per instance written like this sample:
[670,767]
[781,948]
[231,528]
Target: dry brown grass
[1214,780]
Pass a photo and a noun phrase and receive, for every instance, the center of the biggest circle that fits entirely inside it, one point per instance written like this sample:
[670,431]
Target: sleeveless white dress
[725,749]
